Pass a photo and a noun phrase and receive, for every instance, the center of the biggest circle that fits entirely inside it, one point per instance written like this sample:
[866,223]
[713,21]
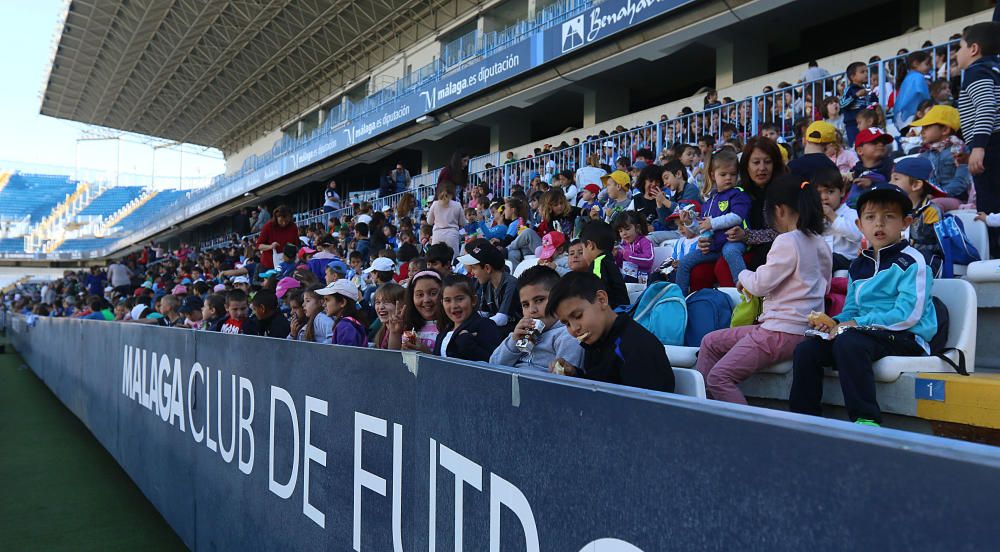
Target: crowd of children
[776,220]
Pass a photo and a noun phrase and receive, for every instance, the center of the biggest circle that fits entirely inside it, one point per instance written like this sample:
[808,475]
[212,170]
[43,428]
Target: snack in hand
[559,368]
[821,319]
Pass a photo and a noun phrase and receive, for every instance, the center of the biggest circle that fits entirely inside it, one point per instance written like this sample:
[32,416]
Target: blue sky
[27,137]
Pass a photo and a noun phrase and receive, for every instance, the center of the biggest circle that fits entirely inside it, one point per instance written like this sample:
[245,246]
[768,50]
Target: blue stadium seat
[83,244]
[34,194]
[149,212]
[111,200]
[11,245]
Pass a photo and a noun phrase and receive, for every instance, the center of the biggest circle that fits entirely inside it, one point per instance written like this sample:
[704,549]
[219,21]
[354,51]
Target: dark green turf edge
[59,488]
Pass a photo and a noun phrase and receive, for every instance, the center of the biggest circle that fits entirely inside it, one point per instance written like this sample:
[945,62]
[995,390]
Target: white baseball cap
[381,264]
[341,287]
[241,280]
[138,311]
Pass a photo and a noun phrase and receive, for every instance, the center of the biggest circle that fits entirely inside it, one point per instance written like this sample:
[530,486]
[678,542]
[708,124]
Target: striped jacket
[979,102]
[891,289]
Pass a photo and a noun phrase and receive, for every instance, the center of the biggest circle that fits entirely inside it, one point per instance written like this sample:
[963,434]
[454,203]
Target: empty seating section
[148,212]
[83,244]
[33,194]
[111,200]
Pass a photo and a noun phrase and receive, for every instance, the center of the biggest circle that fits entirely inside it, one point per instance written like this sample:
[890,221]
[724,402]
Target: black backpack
[940,339]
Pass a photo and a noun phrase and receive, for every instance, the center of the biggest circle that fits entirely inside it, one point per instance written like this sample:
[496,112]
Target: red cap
[592,188]
[872,134]
[551,242]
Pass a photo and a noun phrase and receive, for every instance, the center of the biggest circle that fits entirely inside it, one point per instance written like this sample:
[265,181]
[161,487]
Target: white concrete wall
[260,146]
[415,56]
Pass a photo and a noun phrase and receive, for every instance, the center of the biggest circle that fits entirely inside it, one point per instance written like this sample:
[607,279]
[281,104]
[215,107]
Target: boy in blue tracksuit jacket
[888,312]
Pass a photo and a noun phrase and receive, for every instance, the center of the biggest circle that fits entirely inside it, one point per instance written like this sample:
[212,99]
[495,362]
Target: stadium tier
[83,244]
[149,212]
[111,200]
[33,195]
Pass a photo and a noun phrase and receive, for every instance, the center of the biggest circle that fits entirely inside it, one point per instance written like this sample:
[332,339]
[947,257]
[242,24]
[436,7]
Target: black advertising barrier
[246,443]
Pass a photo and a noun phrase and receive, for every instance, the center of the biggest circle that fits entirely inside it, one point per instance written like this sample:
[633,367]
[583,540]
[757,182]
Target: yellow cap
[940,115]
[620,177]
[821,132]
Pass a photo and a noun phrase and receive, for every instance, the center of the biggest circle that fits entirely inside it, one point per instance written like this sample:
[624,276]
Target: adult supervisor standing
[331,199]
[278,232]
[120,277]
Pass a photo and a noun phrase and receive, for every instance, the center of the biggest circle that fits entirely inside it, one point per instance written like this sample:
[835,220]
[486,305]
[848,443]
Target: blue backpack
[955,245]
[708,310]
[662,311]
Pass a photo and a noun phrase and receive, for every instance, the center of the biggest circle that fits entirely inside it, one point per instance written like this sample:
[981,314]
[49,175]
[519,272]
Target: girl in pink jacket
[635,255]
[793,283]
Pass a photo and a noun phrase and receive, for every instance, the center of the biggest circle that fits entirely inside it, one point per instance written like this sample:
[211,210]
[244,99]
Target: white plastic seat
[960,298]
[689,382]
[686,357]
[635,292]
[525,264]
[681,356]
[660,254]
[983,272]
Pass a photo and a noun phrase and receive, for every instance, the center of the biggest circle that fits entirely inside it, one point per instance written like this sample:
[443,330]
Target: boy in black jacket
[270,321]
[616,348]
[598,239]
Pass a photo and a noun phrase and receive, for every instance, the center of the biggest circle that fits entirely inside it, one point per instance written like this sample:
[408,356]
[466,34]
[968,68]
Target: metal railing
[739,120]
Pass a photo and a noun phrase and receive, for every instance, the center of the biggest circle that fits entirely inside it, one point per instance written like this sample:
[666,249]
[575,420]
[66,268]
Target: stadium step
[52,231]
[126,211]
[50,225]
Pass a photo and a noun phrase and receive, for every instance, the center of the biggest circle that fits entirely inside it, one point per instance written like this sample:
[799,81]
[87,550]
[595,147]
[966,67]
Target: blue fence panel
[360,449]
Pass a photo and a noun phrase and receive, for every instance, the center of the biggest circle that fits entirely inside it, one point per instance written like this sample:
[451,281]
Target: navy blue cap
[885,192]
[914,166]
[338,267]
[920,168]
[191,303]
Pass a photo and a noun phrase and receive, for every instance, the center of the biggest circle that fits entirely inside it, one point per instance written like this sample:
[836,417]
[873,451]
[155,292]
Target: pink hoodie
[792,282]
[639,253]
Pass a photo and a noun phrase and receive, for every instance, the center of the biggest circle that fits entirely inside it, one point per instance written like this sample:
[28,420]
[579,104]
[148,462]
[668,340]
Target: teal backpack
[663,311]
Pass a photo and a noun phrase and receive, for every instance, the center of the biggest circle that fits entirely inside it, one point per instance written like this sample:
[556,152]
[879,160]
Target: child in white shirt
[840,221]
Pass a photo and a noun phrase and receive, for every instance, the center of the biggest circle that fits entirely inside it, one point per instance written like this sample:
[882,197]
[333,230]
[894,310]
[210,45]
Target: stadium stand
[111,200]
[730,122]
[148,211]
[11,245]
[82,244]
[34,195]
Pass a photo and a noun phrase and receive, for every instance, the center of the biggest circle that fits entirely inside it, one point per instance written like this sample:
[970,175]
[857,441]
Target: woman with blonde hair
[407,203]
